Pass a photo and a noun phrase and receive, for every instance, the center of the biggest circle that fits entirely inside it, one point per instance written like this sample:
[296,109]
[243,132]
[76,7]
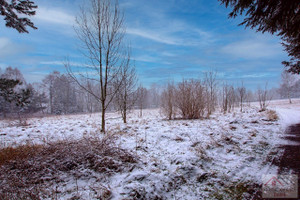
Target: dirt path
[291,156]
[290,159]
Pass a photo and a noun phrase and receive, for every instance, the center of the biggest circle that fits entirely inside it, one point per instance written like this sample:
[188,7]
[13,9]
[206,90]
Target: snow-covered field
[220,157]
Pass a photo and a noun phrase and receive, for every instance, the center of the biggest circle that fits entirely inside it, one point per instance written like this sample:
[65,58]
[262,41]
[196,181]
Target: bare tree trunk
[289,95]
[211,87]
[125,117]
[167,101]
[141,110]
[241,95]
[103,120]
[51,99]
[126,95]
[142,94]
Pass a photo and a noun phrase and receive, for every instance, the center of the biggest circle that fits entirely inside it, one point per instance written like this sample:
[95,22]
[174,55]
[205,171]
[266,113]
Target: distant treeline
[59,94]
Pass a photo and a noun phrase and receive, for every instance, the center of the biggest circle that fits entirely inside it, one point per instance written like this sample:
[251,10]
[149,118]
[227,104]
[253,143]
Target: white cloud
[5,47]
[157,37]
[52,63]
[253,49]
[256,75]
[8,48]
[62,63]
[34,77]
[54,15]
[168,54]
[165,28]
[2,67]
[145,58]
[186,37]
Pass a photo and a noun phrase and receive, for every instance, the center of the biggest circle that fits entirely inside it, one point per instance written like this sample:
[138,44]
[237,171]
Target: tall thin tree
[100,28]
[241,95]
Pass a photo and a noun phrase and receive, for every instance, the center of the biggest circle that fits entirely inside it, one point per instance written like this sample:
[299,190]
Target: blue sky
[170,40]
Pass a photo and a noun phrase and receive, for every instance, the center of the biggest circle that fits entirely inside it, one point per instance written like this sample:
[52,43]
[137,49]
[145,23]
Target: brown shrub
[272,115]
[190,99]
[25,171]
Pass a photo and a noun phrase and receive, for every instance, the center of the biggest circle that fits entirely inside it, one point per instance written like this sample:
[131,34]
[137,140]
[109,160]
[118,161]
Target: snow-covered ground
[178,159]
[288,113]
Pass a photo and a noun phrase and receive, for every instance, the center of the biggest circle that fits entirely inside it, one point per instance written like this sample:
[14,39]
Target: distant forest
[58,94]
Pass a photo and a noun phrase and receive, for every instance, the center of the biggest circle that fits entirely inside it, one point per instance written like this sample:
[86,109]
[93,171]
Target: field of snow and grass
[222,157]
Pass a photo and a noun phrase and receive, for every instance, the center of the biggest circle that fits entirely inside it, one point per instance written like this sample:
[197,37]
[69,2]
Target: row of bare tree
[195,98]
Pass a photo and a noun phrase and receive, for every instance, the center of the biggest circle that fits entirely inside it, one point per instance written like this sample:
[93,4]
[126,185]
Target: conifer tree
[14,12]
[281,17]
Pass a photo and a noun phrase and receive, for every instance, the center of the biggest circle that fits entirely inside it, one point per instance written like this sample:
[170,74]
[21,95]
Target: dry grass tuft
[26,171]
[272,115]
[200,151]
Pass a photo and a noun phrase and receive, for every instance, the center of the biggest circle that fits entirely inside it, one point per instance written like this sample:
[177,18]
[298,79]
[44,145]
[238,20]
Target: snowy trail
[288,116]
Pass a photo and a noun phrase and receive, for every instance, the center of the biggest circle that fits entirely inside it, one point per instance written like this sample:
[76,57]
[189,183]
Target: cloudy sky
[170,39]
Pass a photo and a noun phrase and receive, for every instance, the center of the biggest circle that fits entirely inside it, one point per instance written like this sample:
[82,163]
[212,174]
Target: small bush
[190,99]
[272,115]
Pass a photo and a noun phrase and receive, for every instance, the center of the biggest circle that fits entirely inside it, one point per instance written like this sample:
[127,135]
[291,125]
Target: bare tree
[249,97]
[263,97]
[48,83]
[154,96]
[225,97]
[14,74]
[90,101]
[241,95]
[168,101]
[142,98]
[101,30]
[211,90]
[286,86]
[232,98]
[126,95]
[228,97]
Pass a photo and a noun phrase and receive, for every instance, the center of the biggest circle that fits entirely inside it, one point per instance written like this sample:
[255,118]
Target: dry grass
[17,153]
[238,190]
[201,151]
[272,115]
[26,171]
